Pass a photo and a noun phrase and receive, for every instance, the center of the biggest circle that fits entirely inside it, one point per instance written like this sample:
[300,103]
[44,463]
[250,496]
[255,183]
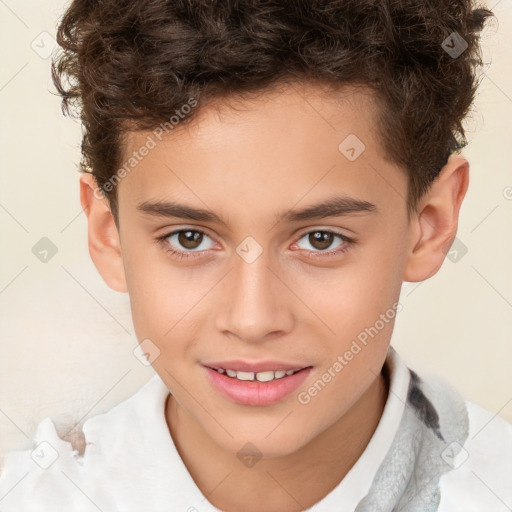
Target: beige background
[67,340]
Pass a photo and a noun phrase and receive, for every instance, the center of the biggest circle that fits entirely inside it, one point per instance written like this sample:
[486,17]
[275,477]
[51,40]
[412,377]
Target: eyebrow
[334,207]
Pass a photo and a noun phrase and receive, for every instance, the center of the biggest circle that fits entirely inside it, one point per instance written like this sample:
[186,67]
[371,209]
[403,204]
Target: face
[268,274]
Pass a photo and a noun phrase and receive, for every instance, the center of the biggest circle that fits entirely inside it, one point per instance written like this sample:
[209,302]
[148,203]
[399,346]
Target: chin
[256,446]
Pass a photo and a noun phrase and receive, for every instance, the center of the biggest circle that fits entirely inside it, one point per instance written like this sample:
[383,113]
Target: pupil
[321,238]
[188,239]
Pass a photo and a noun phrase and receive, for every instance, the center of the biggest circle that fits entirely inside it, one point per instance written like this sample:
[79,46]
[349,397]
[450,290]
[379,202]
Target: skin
[276,152]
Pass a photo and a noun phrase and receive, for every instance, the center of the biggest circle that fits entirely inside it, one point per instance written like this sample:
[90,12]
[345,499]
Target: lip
[248,366]
[254,392]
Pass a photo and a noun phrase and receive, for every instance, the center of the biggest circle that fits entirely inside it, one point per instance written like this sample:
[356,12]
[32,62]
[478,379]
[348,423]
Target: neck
[292,482]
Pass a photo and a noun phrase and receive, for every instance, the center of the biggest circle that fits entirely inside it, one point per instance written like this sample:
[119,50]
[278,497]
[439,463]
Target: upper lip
[257,366]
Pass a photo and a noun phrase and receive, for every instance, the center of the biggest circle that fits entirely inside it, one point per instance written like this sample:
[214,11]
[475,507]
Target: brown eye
[321,240]
[186,242]
[190,239]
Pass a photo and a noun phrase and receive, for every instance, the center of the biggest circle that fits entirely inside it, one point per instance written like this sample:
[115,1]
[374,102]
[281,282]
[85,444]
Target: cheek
[358,296]
[159,297]
[360,309]
[169,306]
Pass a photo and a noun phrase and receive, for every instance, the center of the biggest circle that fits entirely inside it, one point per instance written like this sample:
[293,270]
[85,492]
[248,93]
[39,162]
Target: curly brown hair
[131,64]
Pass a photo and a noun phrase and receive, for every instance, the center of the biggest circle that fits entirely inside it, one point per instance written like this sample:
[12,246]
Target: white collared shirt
[432,451]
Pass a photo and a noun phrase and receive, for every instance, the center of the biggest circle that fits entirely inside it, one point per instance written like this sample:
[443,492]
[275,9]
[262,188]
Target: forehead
[297,141]
[318,105]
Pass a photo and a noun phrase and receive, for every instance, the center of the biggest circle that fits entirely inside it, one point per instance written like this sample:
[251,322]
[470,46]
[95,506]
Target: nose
[255,303]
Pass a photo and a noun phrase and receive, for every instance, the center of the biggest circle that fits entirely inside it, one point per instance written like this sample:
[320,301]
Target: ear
[103,236]
[434,227]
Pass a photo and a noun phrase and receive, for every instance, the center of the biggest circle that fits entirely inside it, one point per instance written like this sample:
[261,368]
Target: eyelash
[347,244]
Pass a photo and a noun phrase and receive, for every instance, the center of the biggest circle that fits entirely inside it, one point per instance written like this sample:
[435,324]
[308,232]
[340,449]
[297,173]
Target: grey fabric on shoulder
[433,429]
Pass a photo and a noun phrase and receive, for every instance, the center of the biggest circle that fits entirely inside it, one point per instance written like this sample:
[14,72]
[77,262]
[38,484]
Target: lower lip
[253,392]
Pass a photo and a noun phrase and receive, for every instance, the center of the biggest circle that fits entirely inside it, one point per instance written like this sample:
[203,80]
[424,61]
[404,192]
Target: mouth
[256,387]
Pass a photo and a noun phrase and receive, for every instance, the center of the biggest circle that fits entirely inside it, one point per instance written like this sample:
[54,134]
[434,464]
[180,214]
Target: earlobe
[434,227]
[103,236]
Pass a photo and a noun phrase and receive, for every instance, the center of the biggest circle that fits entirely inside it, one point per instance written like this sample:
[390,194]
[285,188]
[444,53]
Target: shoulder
[56,470]
[448,454]
[475,472]
[41,468]
[481,473]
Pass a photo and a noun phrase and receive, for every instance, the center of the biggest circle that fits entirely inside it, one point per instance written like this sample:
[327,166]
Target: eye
[189,239]
[323,239]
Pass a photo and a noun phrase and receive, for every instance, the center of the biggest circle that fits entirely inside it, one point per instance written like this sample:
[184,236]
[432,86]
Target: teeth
[265,376]
[244,375]
[260,376]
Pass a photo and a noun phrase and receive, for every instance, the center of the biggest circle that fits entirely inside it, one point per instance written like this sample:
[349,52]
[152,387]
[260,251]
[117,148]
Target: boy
[222,139]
